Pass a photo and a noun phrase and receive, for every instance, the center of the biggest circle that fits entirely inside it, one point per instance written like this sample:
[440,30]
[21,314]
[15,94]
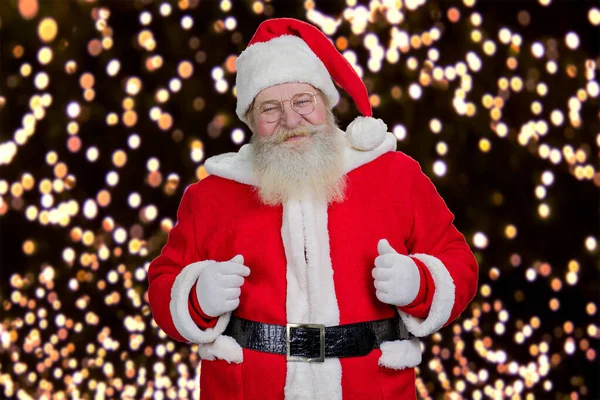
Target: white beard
[310,165]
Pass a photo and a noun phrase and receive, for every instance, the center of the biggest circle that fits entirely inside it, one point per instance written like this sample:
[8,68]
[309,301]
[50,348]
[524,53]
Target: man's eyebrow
[271,99]
[267,100]
[278,101]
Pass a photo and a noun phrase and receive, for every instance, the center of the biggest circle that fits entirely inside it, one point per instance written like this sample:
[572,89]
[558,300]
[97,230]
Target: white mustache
[284,134]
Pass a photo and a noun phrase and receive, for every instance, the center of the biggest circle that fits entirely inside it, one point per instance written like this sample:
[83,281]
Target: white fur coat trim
[210,340]
[283,59]
[310,294]
[238,166]
[400,354]
[442,303]
[235,166]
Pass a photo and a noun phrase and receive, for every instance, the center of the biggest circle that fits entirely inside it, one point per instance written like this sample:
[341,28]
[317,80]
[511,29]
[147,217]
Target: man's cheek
[266,131]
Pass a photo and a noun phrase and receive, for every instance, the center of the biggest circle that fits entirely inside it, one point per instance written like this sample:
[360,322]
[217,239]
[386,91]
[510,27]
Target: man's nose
[290,118]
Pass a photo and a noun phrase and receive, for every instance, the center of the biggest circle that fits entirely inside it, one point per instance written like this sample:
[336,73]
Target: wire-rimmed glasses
[272,110]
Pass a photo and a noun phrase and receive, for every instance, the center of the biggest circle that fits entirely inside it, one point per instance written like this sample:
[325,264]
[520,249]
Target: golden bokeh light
[185,69]
[47,30]
[500,108]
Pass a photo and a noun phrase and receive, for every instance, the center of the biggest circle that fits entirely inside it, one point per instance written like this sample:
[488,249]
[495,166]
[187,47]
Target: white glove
[218,286]
[397,278]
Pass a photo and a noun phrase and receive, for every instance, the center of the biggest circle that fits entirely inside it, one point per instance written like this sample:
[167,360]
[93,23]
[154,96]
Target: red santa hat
[285,50]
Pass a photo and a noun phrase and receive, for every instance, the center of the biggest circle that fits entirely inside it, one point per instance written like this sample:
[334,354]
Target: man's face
[300,152]
[290,119]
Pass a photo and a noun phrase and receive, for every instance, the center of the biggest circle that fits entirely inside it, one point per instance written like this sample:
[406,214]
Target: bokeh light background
[108,110]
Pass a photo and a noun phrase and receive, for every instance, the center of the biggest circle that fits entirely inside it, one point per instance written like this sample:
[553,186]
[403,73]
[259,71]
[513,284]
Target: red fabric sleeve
[201,319]
[422,303]
[433,233]
[180,251]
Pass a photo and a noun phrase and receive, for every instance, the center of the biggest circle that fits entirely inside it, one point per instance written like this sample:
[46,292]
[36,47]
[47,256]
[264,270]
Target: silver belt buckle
[321,329]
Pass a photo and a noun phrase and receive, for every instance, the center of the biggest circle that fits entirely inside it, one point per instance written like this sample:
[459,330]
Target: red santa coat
[311,263]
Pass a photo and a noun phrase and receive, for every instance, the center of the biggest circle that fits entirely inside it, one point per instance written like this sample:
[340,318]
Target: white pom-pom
[366,133]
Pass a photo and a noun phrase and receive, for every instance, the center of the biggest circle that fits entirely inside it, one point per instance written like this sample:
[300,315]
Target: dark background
[485,190]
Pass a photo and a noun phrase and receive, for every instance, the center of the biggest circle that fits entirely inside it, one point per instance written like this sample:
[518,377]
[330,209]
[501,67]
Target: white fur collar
[238,166]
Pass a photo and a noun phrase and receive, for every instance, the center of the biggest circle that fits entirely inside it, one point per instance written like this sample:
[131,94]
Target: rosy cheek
[265,129]
[317,117]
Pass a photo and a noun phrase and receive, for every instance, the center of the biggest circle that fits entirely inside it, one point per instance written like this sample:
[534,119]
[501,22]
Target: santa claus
[308,263]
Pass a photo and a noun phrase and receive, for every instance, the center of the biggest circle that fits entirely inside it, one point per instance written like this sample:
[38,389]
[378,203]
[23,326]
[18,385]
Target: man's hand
[397,278]
[218,286]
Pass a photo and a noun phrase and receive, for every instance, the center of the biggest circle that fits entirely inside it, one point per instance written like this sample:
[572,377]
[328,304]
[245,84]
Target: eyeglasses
[272,110]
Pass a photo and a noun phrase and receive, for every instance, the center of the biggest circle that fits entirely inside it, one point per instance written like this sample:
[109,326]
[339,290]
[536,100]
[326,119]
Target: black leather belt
[313,342]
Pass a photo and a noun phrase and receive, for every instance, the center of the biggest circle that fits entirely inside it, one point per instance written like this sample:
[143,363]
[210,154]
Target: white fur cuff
[442,303]
[180,313]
